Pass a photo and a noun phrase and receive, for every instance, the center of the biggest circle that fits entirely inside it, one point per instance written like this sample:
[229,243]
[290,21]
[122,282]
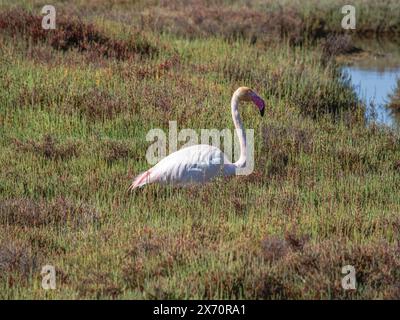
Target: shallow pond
[375,75]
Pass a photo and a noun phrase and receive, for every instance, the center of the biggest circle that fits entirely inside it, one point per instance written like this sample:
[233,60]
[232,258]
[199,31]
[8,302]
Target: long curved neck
[239,131]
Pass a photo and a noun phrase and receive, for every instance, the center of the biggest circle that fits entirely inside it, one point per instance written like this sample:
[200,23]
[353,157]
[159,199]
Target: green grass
[73,128]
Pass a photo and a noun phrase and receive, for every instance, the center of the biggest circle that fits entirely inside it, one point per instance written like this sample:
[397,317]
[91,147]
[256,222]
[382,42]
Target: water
[374,87]
[375,78]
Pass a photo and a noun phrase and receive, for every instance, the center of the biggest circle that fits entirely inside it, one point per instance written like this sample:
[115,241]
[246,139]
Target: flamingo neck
[239,131]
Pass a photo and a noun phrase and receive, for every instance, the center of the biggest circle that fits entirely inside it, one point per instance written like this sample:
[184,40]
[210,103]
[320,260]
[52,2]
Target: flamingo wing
[191,165]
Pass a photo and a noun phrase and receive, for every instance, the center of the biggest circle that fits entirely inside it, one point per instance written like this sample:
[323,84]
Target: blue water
[374,87]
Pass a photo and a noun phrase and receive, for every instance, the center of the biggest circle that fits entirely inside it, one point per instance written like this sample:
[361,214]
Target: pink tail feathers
[140,180]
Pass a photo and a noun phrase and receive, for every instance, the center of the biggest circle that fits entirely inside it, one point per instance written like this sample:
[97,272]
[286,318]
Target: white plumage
[194,164]
[201,163]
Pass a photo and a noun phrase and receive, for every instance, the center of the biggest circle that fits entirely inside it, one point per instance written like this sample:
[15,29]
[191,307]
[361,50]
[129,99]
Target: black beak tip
[262,112]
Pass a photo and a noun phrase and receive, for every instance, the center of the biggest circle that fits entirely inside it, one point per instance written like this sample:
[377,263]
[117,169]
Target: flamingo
[201,163]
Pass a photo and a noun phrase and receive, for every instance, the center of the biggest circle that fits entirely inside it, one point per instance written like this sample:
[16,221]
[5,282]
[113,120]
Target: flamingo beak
[259,102]
[262,112]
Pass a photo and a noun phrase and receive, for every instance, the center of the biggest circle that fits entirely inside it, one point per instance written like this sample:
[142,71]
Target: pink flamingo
[201,163]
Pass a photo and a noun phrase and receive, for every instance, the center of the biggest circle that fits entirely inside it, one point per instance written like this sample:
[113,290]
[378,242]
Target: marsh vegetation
[76,104]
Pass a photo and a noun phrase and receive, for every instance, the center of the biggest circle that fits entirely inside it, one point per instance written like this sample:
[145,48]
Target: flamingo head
[247,94]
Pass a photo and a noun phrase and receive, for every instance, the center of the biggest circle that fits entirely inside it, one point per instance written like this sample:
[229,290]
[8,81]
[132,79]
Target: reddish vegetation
[71,33]
[271,22]
[280,142]
[292,267]
[320,264]
[36,213]
[339,44]
[201,20]
[116,150]
[16,258]
[275,248]
[171,250]
[48,148]
[98,104]
[99,284]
